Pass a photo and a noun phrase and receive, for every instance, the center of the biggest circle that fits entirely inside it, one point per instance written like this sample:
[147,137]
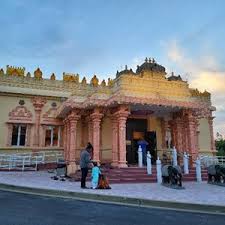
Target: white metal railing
[29,160]
[207,160]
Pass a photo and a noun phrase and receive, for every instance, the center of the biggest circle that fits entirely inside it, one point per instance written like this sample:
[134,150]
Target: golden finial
[38,74]
[52,76]
[71,77]
[103,84]
[15,71]
[28,74]
[94,81]
[110,82]
[84,81]
[1,72]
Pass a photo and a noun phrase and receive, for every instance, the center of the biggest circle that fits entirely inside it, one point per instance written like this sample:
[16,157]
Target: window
[19,135]
[52,136]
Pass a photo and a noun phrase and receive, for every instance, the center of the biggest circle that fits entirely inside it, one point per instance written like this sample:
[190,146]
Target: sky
[102,36]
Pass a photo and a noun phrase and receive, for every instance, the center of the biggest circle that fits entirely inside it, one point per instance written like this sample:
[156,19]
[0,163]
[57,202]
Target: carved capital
[38,103]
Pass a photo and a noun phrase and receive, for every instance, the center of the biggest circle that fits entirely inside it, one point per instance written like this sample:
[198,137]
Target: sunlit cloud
[204,73]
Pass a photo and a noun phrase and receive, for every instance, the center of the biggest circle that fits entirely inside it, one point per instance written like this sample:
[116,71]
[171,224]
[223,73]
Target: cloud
[204,72]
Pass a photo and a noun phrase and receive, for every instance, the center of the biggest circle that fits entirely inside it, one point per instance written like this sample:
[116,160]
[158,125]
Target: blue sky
[100,37]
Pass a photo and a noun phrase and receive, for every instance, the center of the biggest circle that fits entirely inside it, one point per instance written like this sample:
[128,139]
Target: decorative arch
[20,115]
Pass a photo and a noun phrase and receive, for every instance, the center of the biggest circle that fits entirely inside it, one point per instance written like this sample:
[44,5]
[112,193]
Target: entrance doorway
[150,137]
[136,128]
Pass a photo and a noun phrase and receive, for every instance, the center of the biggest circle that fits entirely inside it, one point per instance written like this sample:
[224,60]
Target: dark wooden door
[134,128]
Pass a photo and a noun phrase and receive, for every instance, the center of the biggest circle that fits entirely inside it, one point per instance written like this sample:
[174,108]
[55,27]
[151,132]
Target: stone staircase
[137,175]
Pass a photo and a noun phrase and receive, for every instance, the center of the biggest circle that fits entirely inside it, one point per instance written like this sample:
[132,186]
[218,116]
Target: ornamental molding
[20,115]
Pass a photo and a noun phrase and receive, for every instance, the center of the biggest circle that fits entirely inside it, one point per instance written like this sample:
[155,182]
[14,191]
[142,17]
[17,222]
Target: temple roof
[174,78]
[125,71]
[150,65]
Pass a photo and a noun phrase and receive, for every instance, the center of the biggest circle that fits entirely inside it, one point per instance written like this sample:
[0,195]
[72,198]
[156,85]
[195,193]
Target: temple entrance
[136,128]
[150,137]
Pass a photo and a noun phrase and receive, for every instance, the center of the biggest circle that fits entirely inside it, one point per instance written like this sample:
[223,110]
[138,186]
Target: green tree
[220,145]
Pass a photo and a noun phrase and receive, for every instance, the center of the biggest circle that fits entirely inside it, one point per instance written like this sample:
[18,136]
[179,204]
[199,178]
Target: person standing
[95,175]
[143,145]
[85,160]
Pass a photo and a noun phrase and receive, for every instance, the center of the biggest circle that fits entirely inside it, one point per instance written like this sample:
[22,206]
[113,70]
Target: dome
[126,71]
[150,65]
[174,78]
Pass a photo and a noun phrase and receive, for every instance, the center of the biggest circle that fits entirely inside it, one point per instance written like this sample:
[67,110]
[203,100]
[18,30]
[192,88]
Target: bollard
[149,163]
[140,158]
[185,160]
[174,156]
[198,170]
[159,171]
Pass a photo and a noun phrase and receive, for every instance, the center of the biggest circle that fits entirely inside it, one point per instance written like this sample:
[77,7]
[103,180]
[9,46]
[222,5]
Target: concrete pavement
[196,196]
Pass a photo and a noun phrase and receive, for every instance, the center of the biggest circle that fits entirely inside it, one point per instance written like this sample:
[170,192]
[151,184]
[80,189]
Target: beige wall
[154,124]
[106,139]
[204,136]
[7,104]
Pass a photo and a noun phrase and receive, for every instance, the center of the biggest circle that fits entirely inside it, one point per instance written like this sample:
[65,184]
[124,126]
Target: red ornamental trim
[118,99]
[20,113]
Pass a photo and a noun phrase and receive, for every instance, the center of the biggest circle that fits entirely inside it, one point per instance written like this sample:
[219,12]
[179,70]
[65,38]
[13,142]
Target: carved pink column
[122,118]
[212,141]
[90,130]
[163,127]
[9,137]
[38,104]
[28,132]
[179,135]
[115,152]
[65,138]
[96,119]
[73,118]
[192,136]
[173,133]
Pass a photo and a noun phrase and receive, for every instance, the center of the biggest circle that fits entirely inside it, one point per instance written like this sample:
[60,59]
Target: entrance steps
[137,175]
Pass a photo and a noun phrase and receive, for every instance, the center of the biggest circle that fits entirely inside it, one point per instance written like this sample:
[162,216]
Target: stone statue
[172,176]
[94,81]
[110,82]
[216,174]
[38,74]
[103,84]
[1,72]
[168,138]
[52,77]
[84,81]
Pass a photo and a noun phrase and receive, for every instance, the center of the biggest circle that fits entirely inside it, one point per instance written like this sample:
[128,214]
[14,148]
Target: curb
[110,199]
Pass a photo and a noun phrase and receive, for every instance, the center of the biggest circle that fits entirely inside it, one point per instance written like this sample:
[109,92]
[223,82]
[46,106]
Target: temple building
[43,114]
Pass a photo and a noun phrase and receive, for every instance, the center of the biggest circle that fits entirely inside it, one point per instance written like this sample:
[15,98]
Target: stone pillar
[73,118]
[179,135]
[65,138]
[38,104]
[122,118]
[115,152]
[90,130]
[96,119]
[212,141]
[192,136]
[9,137]
[28,132]
[163,127]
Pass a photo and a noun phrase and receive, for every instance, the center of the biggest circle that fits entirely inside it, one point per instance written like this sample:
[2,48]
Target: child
[95,175]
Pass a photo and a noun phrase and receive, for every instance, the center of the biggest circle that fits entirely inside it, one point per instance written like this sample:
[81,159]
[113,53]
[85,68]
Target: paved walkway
[199,193]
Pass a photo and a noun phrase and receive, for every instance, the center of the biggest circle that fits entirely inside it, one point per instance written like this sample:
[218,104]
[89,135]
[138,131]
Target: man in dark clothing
[85,160]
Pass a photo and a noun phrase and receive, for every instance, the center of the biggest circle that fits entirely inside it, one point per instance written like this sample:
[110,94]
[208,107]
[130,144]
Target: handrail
[29,160]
